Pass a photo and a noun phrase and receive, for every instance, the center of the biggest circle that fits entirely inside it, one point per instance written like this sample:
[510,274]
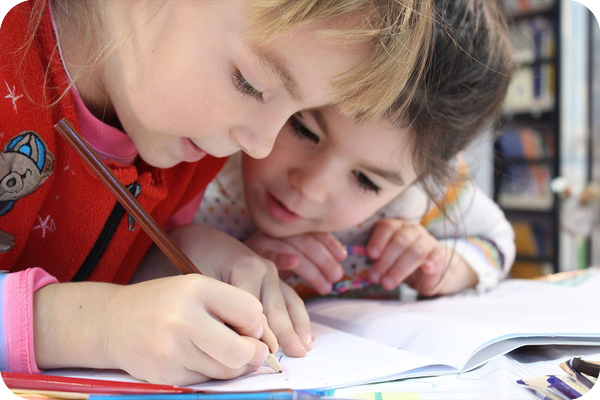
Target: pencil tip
[272,363]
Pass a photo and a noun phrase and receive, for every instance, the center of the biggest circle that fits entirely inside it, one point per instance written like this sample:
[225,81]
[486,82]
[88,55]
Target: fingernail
[373,251]
[375,276]
[308,340]
[325,288]
[338,274]
[427,267]
[341,253]
[387,283]
[258,331]
[298,343]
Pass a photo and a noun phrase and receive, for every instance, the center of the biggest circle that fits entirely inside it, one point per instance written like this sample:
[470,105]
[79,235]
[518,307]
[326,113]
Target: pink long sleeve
[16,330]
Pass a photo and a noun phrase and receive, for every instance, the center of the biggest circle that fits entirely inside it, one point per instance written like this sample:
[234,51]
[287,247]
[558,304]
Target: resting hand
[406,252]
[315,257]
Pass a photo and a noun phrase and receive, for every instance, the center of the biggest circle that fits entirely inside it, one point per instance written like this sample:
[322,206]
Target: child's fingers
[283,261]
[401,270]
[313,276]
[298,315]
[413,247]
[237,309]
[277,310]
[194,366]
[201,364]
[382,233]
[151,337]
[427,279]
[238,363]
[337,249]
[435,262]
[397,244]
[319,255]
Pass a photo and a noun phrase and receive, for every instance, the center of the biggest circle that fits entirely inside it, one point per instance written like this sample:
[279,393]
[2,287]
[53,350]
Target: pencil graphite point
[272,363]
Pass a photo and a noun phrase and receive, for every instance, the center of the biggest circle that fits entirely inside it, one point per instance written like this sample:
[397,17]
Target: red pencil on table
[82,385]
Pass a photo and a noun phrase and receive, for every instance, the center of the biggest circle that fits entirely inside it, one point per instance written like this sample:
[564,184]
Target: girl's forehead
[378,144]
[380,132]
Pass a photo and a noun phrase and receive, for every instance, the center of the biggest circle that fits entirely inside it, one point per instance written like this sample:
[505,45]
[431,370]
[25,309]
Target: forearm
[71,325]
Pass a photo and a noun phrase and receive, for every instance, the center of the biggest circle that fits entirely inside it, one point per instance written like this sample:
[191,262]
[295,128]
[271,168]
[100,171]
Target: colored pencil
[272,395]
[81,385]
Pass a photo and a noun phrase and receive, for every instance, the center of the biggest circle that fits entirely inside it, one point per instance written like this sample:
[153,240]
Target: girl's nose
[257,140]
[311,183]
[256,145]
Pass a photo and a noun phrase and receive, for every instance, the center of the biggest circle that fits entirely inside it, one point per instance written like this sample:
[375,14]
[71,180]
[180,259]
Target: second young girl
[369,183]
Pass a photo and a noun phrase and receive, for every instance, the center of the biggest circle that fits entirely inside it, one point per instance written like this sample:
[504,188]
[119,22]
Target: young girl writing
[159,89]
[369,182]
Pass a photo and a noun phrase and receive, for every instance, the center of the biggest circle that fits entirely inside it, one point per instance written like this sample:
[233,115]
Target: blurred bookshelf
[526,147]
[550,128]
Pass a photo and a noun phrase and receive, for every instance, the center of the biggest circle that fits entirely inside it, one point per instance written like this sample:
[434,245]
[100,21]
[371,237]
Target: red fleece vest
[52,207]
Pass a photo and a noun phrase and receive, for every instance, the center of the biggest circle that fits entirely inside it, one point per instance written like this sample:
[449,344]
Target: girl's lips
[279,211]
[190,151]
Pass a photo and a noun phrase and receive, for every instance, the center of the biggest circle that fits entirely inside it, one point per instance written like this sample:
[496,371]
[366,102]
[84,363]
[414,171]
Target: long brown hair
[462,90]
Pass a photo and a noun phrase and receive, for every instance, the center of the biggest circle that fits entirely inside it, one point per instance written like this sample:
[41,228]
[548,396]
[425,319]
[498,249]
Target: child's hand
[220,256]
[315,257]
[178,330]
[406,252]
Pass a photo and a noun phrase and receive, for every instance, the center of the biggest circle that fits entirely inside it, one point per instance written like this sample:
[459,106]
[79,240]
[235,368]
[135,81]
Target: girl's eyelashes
[302,131]
[365,183]
[245,88]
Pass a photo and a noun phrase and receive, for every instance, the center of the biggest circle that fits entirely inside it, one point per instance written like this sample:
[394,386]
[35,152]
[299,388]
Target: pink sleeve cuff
[18,313]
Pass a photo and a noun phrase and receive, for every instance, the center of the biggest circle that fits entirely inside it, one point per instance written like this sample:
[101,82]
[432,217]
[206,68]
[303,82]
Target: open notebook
[363,341]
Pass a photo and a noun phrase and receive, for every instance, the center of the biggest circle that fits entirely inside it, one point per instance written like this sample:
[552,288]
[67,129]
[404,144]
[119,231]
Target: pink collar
[111,143]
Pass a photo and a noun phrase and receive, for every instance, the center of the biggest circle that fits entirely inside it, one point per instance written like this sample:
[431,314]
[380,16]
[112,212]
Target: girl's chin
[278,230]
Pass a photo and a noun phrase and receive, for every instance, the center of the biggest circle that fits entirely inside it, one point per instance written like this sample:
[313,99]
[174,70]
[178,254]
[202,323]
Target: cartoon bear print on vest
[24,165]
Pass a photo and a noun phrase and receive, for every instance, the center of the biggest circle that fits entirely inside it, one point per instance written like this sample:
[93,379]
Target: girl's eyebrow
[279,69]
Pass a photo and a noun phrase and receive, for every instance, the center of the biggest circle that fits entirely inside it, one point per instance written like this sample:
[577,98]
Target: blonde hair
[399,30]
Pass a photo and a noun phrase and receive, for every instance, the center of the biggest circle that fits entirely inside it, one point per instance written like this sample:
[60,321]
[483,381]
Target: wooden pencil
[272,363]
[127,200]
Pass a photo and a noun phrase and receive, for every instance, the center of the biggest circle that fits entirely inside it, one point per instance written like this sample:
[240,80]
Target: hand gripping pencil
[134,208]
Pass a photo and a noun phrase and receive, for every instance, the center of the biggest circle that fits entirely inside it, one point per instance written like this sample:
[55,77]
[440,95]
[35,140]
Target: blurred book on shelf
[530,270]
[531,90]
[533,239]
[533,84]
[526,143]
[535,249]
[526,187]
[532,40]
